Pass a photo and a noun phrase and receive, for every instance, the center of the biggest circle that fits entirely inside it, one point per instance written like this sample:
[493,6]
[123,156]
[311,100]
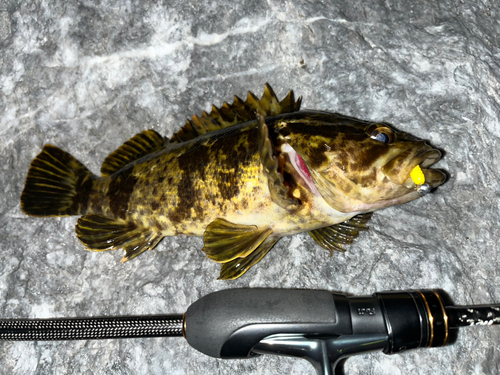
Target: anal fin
[99,233]
[139,145]
[334,237]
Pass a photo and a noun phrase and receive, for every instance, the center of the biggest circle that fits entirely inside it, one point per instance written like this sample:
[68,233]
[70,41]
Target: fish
[242,176]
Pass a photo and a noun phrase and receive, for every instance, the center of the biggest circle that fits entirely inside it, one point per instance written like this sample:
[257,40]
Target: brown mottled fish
[242,176]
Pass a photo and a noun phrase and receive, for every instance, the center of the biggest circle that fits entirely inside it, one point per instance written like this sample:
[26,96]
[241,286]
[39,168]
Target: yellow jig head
[417,176]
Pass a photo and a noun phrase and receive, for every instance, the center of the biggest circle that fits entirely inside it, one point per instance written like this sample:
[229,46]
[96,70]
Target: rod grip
[228,323]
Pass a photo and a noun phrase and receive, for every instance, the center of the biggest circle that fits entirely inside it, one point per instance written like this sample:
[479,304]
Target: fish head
[358,166]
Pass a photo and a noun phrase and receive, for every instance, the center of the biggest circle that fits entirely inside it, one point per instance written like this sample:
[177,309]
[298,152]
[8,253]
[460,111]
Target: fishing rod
[322,327]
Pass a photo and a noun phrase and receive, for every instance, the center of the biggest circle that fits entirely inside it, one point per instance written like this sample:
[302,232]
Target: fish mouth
[398,169]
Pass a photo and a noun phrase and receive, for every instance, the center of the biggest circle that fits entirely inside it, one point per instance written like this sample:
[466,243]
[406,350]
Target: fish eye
[382,134]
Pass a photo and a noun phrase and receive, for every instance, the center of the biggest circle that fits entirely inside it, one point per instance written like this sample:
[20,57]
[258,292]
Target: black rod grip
[227,324]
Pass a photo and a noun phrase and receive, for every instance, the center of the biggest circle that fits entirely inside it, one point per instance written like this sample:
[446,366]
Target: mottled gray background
[87,77]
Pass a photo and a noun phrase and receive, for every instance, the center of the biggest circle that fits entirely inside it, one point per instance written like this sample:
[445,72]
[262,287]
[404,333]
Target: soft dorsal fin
[139,145]
[332,238]
[236,113]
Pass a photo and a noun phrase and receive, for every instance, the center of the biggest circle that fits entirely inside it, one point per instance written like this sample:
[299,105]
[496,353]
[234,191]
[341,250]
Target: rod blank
[90,328]
[480,315]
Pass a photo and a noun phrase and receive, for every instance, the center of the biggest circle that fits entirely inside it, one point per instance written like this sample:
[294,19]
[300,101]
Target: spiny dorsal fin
[99,233]
[139,145]
[332,238]
[236,113]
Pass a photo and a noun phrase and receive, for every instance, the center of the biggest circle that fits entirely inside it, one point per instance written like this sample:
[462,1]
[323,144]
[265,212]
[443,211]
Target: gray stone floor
[87,77]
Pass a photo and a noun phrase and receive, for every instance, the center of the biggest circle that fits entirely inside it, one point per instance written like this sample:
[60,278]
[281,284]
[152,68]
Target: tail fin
[57,185]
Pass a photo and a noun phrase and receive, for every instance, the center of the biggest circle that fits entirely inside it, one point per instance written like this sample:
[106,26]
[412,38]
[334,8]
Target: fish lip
[425,157]
[429,157]
[434,177]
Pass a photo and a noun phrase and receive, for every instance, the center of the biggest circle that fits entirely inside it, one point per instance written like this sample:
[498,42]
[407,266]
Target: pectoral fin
[237,267]
[99,233]
[225,241]
[332,238]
